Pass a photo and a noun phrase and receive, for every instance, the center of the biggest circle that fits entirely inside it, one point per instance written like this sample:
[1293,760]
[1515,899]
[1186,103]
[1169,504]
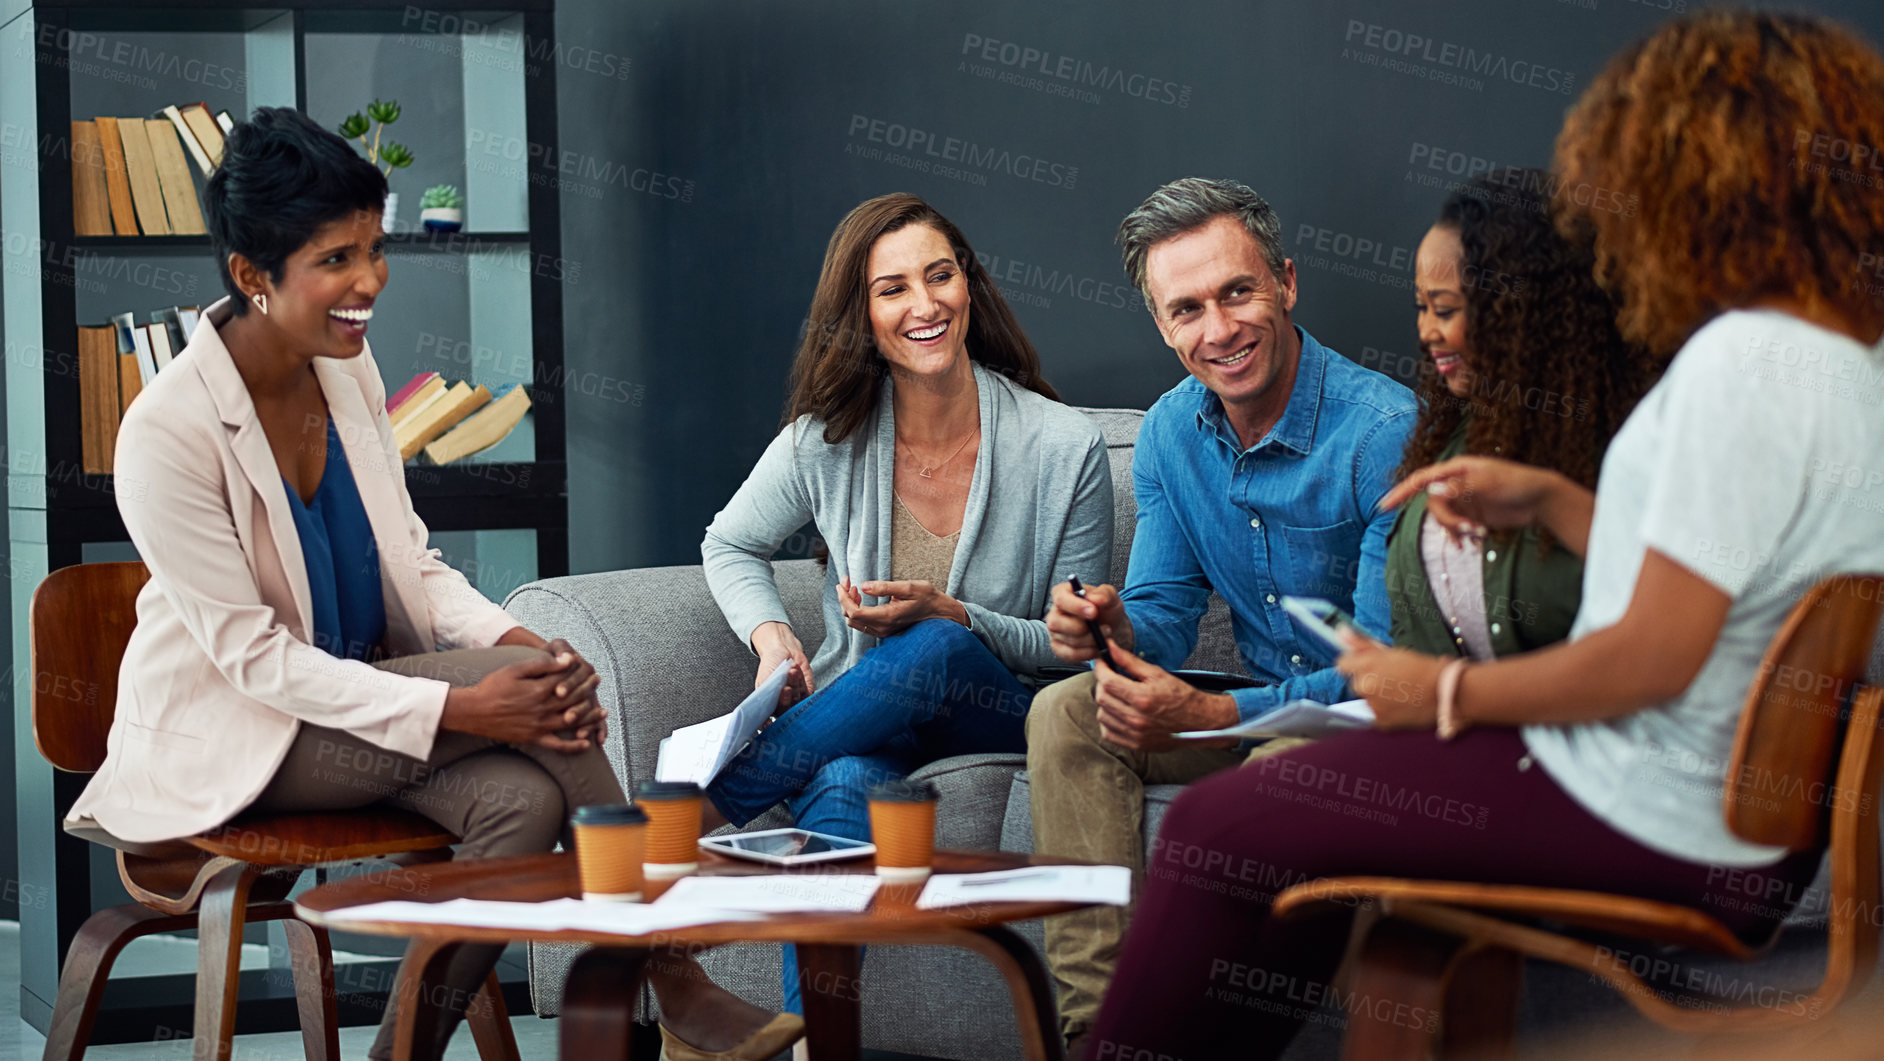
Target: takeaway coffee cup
[673,809]
[609,842]
[902,825]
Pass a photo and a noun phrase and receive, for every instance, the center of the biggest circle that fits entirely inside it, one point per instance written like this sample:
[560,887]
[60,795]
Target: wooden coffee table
[603,988]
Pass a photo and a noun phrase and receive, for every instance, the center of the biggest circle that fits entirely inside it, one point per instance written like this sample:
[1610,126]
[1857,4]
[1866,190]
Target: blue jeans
[927,693]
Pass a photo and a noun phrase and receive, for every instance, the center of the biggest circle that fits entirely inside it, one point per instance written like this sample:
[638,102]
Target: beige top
[917,554]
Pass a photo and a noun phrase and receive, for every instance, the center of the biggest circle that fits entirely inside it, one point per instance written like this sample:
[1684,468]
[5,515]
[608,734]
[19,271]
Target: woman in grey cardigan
[951,489]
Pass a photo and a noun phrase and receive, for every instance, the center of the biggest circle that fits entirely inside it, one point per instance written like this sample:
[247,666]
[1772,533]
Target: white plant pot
[442,218]
[392,209]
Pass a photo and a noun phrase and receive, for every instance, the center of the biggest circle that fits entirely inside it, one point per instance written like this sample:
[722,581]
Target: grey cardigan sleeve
[1085,549]
[737,552]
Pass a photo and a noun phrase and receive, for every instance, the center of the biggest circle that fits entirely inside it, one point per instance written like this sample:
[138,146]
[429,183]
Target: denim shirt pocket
[1324,561]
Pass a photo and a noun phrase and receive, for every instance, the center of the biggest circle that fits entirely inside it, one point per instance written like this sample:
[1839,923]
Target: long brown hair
[1552,380]
[836,373]
[1728,158]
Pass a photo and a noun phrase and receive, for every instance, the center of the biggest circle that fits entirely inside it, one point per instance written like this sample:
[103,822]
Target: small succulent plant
[384,112]
[442,196]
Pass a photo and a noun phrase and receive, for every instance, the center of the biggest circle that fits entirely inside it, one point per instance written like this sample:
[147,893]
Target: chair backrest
[82,617]
[1780,781]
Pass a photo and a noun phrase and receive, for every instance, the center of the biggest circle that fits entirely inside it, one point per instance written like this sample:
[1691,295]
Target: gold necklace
[927,469]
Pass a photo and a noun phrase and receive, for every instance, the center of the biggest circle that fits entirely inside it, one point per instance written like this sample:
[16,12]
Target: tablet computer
[787,847]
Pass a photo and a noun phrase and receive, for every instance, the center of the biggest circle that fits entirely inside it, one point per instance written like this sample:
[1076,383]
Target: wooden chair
[215,882]
[1455,949]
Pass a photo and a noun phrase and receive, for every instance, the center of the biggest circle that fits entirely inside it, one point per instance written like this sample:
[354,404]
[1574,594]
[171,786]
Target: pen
[1092,627]
[1032,875]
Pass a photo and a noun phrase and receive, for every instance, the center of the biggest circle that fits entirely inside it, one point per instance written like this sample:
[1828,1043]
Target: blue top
[1297,514]
[342,559]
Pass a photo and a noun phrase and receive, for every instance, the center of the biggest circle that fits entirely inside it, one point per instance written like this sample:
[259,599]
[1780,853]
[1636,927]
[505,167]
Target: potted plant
[442,209]
[388,158]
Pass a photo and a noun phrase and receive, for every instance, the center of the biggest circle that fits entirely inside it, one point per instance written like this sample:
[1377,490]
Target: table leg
[599,1004]
[833,997]
[424,962]
[1026,978]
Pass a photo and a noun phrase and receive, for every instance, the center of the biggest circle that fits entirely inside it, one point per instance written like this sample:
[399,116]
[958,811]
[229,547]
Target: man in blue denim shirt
[1259,477]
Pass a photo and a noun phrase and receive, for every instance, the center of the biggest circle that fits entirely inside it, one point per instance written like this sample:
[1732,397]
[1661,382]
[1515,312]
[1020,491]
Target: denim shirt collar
[1296,430]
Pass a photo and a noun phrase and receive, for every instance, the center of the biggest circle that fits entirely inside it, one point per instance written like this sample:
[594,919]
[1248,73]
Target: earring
[261,302]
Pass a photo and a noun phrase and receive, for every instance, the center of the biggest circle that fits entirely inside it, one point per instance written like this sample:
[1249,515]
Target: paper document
[1297,718]
[781,894]
[1072,884]
[556,915]
[698,753]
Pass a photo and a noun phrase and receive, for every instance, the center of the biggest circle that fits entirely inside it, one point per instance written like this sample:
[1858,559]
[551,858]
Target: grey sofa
[667,659]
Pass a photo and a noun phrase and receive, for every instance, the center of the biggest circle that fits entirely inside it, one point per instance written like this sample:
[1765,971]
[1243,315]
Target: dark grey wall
[695,290]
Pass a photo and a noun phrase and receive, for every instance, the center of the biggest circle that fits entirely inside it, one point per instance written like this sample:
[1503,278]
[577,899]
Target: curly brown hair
[1730,158]
[1552,381]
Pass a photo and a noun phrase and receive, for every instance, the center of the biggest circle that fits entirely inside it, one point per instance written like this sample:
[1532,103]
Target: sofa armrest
[663,651]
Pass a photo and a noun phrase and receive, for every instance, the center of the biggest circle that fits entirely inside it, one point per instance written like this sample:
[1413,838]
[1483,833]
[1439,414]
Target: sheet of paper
[629,919]
[699,752]
[1081,884]
[781,894]
[1297,718]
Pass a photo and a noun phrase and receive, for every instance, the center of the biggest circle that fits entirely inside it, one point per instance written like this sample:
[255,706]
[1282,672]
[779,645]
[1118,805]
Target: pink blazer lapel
[377,473]
[249,443]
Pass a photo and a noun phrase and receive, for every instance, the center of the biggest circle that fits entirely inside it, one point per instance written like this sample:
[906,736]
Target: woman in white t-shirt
[1714,163]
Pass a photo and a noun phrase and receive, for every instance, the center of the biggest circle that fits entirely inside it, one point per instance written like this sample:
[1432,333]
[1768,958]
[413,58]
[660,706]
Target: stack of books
[115,362]
[449,421]
[129,174]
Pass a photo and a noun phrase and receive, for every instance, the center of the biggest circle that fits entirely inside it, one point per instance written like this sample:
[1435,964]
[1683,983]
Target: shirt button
[1256,523]
[1494,628]
[1295,659]
[1491,557]
[1271,598]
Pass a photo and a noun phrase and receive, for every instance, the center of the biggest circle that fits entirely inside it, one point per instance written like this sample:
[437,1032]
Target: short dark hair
[281,178]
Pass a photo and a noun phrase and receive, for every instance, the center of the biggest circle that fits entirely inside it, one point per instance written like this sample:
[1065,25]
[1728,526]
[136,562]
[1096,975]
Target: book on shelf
[91,198]
[187,317]
[429,391]
[130,382]
[188,138]
[173,175]
[99,407]
[412,386]
[172,326]
[141,167]
[482,429]
[146,357]
[205,128]
[160,349]
[460,401]
[117,181]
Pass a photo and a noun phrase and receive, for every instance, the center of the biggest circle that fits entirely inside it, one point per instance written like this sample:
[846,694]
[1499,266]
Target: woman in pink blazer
[299,646]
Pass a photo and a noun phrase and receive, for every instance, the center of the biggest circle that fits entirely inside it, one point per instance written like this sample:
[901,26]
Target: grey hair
[1191,203]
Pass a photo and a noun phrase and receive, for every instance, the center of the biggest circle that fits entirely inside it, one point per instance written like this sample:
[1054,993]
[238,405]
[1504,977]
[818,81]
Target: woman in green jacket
[1523,362]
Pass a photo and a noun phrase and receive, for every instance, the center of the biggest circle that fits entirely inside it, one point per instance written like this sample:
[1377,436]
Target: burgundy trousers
[1206,972]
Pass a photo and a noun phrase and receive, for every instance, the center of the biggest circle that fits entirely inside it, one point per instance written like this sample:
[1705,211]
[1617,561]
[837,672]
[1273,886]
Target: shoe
[779,1032]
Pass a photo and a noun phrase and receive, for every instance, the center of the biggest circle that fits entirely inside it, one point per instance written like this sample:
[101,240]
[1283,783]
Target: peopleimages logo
[1078,75]
[1406,48]
[920,149]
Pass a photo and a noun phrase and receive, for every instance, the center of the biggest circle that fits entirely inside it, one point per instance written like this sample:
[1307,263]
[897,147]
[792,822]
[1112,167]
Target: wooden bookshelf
[55,511]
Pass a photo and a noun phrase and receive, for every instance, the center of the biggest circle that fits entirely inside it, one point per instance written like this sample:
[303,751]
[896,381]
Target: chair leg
[1483,990]
[1399,987]
[220,918]
[490,1023]
[311,955]
[88,967]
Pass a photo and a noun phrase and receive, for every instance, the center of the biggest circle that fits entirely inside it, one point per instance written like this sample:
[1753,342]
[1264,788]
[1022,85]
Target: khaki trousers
[502,799]
[1088,801]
